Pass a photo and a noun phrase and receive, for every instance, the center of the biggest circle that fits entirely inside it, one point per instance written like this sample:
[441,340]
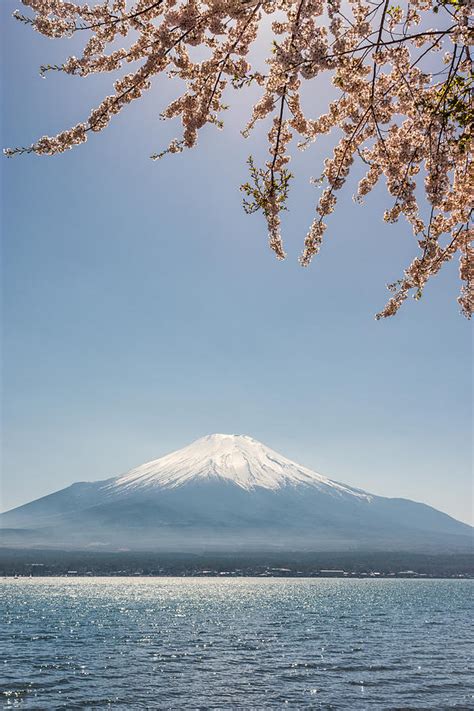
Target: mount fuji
[228,493]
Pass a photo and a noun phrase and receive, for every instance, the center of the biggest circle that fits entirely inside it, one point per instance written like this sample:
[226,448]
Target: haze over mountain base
[228,493]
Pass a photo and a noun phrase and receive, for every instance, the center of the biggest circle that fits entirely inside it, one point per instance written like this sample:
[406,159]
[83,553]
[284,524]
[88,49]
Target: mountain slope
[228,492]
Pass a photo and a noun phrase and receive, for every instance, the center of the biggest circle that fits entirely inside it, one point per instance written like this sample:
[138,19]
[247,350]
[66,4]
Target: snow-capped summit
[238,459]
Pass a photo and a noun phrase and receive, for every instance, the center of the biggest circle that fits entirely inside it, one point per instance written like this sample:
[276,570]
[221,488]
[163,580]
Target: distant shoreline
[163,576]
[28,563]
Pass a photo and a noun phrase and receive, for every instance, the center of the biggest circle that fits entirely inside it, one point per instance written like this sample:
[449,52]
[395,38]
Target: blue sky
[143,309]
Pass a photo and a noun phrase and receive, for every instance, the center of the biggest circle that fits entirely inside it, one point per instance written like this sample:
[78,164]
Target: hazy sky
[143,309]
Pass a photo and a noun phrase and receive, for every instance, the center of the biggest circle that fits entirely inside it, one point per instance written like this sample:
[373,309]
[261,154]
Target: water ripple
[183,643]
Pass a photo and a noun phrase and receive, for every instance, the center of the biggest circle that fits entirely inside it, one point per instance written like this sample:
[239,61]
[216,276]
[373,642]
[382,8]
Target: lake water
[246,643]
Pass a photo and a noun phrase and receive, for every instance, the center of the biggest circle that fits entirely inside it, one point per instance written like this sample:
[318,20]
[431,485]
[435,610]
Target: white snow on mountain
[238,459]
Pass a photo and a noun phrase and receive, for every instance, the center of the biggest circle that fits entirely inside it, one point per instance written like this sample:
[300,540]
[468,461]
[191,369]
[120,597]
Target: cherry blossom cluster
[401,101]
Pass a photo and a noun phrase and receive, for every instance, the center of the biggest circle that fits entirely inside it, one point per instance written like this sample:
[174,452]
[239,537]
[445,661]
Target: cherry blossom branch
[404,108]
